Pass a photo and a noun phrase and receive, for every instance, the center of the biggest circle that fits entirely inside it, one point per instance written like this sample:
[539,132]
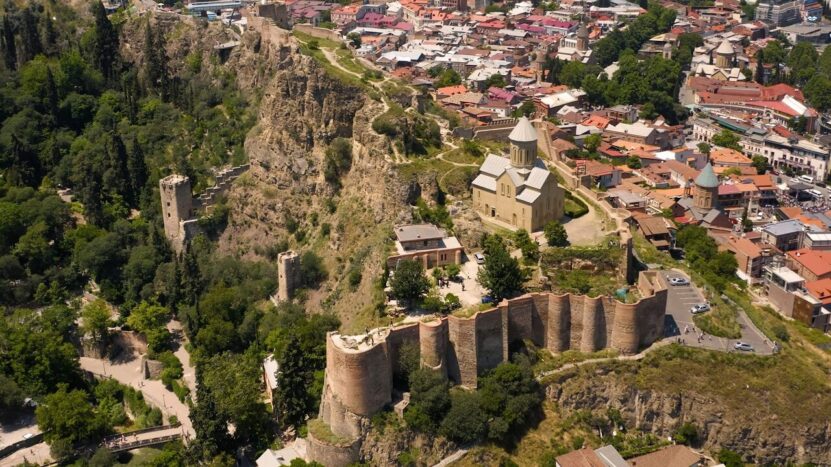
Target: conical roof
[725,48]
[523,132]
[707,178]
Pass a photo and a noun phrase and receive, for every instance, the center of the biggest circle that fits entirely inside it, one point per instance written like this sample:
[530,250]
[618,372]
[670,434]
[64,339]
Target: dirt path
[189,372]
[635,357]
[586,230]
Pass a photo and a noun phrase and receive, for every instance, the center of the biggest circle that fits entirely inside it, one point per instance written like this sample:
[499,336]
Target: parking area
[679,325]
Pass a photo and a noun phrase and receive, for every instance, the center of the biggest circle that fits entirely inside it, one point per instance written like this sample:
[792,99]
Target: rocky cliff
[301,111]
[761,436]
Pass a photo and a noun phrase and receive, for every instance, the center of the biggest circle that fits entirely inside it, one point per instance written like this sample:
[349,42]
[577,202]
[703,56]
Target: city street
[679,319]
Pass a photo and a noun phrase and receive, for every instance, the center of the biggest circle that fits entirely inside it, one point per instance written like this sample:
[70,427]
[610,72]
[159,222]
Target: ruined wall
[329,454]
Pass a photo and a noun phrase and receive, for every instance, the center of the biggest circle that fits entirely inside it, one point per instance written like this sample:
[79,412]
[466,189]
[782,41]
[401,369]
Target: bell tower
[523,140]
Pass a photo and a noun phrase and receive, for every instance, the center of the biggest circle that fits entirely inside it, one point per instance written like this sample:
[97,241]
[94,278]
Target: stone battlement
[360,369]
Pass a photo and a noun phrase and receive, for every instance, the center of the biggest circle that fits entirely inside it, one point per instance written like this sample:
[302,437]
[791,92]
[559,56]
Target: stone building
[427,244]
[519,192]
[359,369]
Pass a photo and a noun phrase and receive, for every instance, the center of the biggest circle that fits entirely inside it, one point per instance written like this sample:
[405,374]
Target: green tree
[354,38]
[759,75]
[11,398]
[151,320]
[818,92]
[292,402]
[312,270]
[338,160]
[68,416]
[530,249]
[525,110]
[509,394]
[634,162]
[802,61]
[9,44]
[727,139]
[409,282]
[687,434]
[429,401]
[465,422]
[556,235]
[730,458]
[760,163]
[496,80]
[96,319]
[501,275]
[105,42]
[704,148]
[447,77]
[234,382]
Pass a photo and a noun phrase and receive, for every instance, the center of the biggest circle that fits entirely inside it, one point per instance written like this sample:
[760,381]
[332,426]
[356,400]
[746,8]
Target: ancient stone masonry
[360,369]
[288,275]
[180,209]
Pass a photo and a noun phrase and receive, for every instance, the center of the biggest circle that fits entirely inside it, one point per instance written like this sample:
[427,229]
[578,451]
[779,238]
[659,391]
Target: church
[519,192]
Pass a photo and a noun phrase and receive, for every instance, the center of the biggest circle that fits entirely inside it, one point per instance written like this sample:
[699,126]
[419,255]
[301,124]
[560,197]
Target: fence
[14,447]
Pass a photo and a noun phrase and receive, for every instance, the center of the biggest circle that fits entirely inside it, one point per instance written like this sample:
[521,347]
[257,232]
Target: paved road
[679,319]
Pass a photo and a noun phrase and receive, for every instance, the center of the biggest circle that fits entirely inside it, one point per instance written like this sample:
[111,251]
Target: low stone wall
[320,33]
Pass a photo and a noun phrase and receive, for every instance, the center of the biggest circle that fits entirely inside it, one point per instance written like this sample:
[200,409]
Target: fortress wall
[594,324]
[558,335]
[491,338]
[461,354]
[335,455]
[539,319]
[433,345]
[362,379]
[520,317]
[399,336]
[341,421]
[625,330]
[577,305]
[609,305]
[650,319]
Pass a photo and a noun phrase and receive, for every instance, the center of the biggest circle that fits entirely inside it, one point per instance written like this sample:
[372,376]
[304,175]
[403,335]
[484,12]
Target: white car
[479,257]
[743,346]
[679,281]
[700,308]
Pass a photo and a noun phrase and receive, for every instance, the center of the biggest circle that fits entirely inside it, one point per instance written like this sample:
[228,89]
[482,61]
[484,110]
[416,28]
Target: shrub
[312,270]
[687,434]
[465,421]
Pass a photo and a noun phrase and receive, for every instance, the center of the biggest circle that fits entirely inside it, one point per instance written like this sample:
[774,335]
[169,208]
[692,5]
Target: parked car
[743,346]
[700,308]
[679,281]
[479,257]
[487,299]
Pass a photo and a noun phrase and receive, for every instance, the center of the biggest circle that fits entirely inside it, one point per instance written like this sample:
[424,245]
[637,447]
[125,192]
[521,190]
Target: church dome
[707,178]
[523,132]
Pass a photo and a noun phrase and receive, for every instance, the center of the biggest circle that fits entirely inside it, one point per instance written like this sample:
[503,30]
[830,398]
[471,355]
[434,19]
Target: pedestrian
[463,286]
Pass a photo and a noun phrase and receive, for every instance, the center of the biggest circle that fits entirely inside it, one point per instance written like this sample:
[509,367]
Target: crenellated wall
[360,369]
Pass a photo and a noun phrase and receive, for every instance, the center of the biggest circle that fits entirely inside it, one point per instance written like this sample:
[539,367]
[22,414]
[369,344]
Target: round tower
[706,189]
[523,140]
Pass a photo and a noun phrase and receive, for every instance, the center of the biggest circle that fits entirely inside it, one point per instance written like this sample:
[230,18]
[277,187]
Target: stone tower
[705,193]
[539,63]
[523,140]
[725,54]
[667,53]
[177,207]
[288,275]
[583,38]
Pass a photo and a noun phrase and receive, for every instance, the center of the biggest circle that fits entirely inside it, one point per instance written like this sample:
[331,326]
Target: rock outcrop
[763,441]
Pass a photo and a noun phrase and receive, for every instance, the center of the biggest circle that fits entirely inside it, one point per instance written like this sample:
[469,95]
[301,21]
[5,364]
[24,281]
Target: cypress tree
[25,166]
[105,42]
[293,380]
[9,44]
[116,177]
[50,36]
[760,68]
[51,95]
[137,169]
[29,35]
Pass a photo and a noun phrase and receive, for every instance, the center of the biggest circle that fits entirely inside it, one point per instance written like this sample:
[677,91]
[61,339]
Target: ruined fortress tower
[288,275]
[360,369]
[177,208]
